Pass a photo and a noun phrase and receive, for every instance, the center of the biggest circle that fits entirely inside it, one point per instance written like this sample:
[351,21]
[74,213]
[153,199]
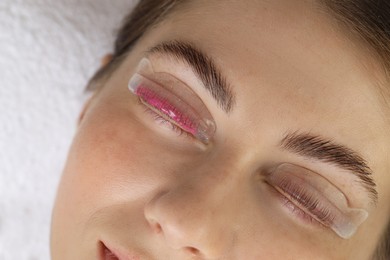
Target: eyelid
[174,99]
[344,219]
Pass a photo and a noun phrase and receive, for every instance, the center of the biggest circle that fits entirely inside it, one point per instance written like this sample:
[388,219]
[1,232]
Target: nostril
[156,227]
[193,251]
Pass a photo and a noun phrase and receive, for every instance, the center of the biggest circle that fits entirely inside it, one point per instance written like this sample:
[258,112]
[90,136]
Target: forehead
[279,40]
[288,50]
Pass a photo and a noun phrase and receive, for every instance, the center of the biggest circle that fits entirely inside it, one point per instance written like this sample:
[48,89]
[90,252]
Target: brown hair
[369,20]
[146,14]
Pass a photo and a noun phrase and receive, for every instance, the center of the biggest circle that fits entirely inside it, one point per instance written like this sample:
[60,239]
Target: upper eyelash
[158,117]
[300,196]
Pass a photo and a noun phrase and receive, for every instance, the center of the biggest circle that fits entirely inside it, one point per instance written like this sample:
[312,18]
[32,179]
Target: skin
[136,185]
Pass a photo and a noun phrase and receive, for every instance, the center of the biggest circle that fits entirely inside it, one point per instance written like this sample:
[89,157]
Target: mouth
[109,253]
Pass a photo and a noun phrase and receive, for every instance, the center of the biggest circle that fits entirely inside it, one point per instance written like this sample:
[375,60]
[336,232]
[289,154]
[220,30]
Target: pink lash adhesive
[172,98]
[185,122]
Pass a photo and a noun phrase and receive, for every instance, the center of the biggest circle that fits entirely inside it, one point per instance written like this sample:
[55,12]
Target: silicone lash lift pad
[345,220]
[166,94]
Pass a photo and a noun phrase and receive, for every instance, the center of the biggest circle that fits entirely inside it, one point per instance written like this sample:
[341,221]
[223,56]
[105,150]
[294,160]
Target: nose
[196,218]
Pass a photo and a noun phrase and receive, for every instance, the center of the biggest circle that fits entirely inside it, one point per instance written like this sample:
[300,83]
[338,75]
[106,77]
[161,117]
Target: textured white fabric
[48,50]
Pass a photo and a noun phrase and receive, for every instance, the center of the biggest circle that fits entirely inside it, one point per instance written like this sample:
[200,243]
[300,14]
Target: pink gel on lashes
[174,99]
[167,108]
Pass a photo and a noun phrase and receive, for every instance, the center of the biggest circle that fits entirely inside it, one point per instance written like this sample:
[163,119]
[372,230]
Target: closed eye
[312,197]
[173,100]
[164,121]
[175,104]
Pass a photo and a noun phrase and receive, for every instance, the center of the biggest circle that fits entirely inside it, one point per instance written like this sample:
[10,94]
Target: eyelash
[294,196]
[161,120]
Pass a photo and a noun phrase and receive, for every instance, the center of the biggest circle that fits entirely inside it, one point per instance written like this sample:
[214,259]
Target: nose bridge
[200,211]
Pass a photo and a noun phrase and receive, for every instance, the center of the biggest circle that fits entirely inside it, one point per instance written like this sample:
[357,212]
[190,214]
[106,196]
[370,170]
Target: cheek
[115,158]
[106,162]
[111,162]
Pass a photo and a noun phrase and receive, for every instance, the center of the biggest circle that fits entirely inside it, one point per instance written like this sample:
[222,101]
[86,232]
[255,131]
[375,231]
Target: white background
[48,50]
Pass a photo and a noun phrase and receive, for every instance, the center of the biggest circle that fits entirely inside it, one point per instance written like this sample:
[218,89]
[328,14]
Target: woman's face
[266,158]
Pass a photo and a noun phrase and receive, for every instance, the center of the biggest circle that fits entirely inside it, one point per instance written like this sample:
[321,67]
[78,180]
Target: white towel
[48,50]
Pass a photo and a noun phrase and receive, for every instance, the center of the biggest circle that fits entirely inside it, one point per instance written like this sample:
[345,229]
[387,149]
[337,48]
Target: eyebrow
[204,67]
[316,147]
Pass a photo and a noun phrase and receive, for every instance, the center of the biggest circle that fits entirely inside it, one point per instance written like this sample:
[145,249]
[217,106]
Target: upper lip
[120,253]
